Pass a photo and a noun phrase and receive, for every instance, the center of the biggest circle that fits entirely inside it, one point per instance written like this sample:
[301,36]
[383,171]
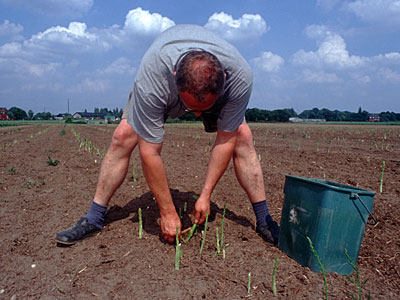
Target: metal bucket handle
[355,195]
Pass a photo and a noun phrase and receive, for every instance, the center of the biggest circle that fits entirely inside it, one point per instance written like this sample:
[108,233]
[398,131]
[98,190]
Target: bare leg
[247,166]
[115,163]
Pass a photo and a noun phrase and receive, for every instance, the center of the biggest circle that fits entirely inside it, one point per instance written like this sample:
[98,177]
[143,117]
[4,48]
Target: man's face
[197,107]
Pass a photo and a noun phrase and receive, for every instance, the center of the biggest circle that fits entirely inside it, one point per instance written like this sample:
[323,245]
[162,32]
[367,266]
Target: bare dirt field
[38,199]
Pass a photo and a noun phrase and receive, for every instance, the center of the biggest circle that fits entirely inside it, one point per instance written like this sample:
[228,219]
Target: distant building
[315,120]
[299,120]
[109,118]
[87,116]
[4,113]
[296,120]
[374,118]
[60,116]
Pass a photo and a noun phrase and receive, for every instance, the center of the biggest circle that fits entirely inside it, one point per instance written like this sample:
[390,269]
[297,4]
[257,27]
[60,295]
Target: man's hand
[168,227]
[156,177]
[201,209]
[221,154]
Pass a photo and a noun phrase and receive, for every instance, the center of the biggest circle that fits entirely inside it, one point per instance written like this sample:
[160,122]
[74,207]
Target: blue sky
[325,53]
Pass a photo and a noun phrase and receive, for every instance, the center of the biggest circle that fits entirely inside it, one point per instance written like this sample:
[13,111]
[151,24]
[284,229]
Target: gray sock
[261,211]
[96,215]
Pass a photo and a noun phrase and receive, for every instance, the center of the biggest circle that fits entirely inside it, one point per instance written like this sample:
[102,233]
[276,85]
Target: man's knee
[245,136]
[124,136]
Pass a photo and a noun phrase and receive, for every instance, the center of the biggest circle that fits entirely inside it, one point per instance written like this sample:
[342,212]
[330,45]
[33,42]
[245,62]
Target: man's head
[199,79]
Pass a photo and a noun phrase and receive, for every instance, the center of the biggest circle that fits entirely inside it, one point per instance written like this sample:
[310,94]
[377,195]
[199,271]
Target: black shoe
[80,231]
[270,232]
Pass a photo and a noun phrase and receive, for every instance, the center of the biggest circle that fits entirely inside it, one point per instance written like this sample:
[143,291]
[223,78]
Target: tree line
[252,115]
[16,113]
[283,115]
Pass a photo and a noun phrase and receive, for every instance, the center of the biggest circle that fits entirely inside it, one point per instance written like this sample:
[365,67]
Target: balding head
[199,73]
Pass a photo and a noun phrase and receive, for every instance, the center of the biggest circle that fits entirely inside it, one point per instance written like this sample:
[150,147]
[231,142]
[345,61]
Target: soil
[48,179]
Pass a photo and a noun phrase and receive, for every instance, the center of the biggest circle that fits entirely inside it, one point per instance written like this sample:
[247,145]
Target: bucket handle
[355,195]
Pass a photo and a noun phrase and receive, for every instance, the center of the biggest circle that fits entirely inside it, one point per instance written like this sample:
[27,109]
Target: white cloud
[317,32]
[120,66]
[332,63]
[74,39]
[10,29]
[142,22]
[389,75]
[361,78]
[139,29]
[48,55]
[54,7]
[78,39]
[44,86]
[376,11]
[42,69]
[328,4]
[90,85]
[389,59]
[319,77]
[13,49]
[269,62]
[246,27]
[331,53]
[24,68]
[55,40]
[394,56]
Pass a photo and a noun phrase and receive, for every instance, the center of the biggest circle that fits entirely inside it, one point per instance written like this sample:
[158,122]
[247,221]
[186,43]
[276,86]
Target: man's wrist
[166,213]
[206,194]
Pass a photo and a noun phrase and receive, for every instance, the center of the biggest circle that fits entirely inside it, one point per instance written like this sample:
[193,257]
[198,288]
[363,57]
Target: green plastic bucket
[332,215]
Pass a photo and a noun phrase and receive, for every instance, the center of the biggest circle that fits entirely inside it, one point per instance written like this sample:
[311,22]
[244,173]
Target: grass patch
[178,250]
[274,277]
[204,234]
[357,281]
[321,266]
[51,162]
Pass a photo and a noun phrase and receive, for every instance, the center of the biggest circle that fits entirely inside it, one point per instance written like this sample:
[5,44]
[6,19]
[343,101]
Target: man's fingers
[202,219]
[169,227]
[196,217]
[169,239]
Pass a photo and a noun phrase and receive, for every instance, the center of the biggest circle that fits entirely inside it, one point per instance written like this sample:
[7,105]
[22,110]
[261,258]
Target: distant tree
[116,112]
[30,114]
[104,111]
[17,113]
[389,116]
[290,112]
[68,119]
[252,114]
[43,116]
[256,115]
[311,114]
[360,116]
[280,115]
[190,116]
[262,115]
[328,115]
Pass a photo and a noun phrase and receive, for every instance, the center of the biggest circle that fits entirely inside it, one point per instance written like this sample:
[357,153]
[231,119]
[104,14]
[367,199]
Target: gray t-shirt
[155,96]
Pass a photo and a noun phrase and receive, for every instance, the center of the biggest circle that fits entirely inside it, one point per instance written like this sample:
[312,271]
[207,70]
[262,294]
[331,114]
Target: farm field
[48,178]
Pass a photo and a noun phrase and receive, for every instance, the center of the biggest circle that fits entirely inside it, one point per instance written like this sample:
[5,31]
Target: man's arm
[221,154]
[156,177]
